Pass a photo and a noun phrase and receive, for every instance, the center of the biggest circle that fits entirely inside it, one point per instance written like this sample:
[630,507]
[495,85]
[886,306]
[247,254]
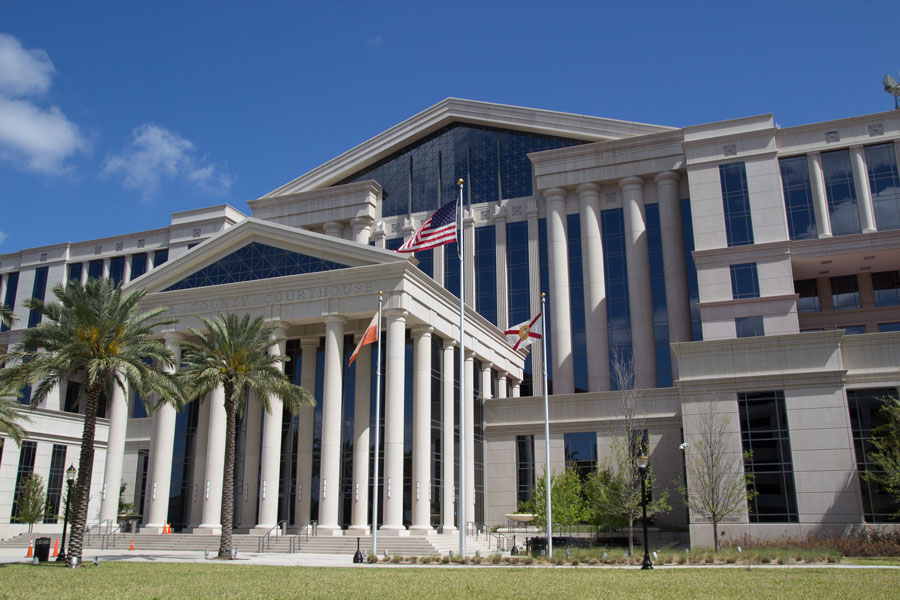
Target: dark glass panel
[117,269]
[749,327]
[886,286]
[884,183]
[486,272]
[658,294]
[75,270]
[808,290]
[576,303]
[798,201]
[38,292]
[841,192]
[744,281]
[845,292]
[95,269]
[138,265]
[12,283]
[616,274]
[865,416]
[736,201]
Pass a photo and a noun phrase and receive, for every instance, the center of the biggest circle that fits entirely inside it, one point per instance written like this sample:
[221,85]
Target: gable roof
[546,122]
[250,230]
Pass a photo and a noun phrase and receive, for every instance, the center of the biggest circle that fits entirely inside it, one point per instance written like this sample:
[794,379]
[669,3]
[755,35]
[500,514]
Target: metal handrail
[265,542]
[97,526]
[312,525]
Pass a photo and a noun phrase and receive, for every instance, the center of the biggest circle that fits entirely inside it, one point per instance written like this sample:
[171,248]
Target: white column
[820,202]
[863,191]
[640,302]
[560,308]
[330,470]
[115,454]
[469,399]
[105,271]
[250,493]
[270,468]
[359,518]
[448,449]
[500,261]
[126,271]
[334,229]
[395,363]
[469,258]
[502,385]
[516,390]
[678,305]
[438,265]
[594,288]
[211,491]
[534,276]
[379,235]
[157,496]
[309,350]
[421,458]
[362,229]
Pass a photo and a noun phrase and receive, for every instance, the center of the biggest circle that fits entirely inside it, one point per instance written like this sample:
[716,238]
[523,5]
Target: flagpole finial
[459,181]
[380,293]
[543,295]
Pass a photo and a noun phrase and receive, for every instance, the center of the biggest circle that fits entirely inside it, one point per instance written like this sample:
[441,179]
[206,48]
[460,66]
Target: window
[140,481]
[27,453]
[38,292]
[798,202]
[808,290]
[160,256]
[95,269]
[524,468]
[886,286]
[765,440]
[55,482]
[854,329]
[841,192]
[138,265]
[736,201]
[581,451]
[426,261]
[486,272]
[886,327]
[749,327]
[865,415]
[75,270]
[72,397]
[845,292]
[451,268]
[744,281]
[192,244]
[12,283]
[884,182]
[117,269]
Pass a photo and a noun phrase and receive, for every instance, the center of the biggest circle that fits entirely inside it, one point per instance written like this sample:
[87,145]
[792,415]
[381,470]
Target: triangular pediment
[454,110]
[254,250]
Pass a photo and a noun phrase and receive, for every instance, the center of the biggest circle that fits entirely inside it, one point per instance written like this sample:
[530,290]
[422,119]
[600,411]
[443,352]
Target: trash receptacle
[42,549]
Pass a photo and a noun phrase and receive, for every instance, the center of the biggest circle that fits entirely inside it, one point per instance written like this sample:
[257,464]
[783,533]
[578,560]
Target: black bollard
[358,557]
[515,550]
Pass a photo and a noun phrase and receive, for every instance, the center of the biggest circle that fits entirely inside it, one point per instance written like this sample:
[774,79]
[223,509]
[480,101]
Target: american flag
[437,230]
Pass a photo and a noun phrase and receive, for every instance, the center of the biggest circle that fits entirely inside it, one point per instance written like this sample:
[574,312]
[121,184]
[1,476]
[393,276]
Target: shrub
[445,560]
[372,559]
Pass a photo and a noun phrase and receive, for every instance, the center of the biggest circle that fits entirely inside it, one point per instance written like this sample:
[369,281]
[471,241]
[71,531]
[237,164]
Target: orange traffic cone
[30,552]
[170,529]
[164,529]
[132,544]
[56,548]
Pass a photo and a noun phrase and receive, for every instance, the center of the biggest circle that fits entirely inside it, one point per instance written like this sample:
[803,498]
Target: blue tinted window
[581,451]
[854,329]
[618,314]
[736,201]
[12,284]
[808,290]
[886,286]
[38,292]
[658,295]
[841,192]
[486,272]
[160,256]
[426,261]
[798,202]
[884,182]
[517,274]
[138,265]
[866,417]
[693,286]
[95,269]
[749,326]
[393,243]
[576,303]
[117,269]
[451,268]
[254,261]
[75,270]
[885,327]
[744,281]
[845,292]
[493,163]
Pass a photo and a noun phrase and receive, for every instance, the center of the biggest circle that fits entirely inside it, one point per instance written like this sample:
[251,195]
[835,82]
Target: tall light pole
[642,467]
[70,479]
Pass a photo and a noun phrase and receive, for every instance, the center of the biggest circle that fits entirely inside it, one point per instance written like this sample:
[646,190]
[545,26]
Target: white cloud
[154,153]
[375,42]
[3,236]
[31,137]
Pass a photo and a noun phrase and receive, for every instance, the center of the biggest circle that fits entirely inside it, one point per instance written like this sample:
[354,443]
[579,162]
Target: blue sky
[113,115]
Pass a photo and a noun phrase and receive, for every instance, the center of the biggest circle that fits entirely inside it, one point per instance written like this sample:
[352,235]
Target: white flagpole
[377,430]
[547,478]
[462,493]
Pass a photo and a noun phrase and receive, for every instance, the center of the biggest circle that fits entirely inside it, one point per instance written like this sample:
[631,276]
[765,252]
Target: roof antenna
[892,87]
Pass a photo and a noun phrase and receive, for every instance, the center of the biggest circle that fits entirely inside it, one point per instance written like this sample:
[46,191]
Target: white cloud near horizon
[3,236]
[375,42]
[32,137]
[154,153]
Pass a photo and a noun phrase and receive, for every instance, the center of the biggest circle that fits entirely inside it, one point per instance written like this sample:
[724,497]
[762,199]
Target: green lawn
[175,580]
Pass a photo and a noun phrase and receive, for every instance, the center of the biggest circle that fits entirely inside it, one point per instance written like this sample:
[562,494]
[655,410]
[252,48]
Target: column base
[207,530]
[326,530]
[358,531]
[824,235]
[450,529]
[421,530]
[395,530]
[870,230]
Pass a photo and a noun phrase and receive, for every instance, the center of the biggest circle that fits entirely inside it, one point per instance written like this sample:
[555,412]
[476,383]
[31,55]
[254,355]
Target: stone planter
[520,517]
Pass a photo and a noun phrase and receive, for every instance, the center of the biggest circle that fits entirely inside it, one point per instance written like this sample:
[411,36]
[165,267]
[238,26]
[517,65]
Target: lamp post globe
[70,480]
[642,460]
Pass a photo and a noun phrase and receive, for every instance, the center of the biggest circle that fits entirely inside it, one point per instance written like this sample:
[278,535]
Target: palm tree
[96,332]
[6,315]
[9,405]
[234,352]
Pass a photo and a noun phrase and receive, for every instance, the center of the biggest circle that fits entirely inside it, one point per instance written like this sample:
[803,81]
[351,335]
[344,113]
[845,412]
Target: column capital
[487,365]
[309,340]
[448,343]
[631,181]
[420,330]
[334,228]
[173,337]
[334,318]
[667,177]
[395,313]
[470,355]
[362,221]
[585,190]
[554,194]
[281,327]
[500,214]
[856,147]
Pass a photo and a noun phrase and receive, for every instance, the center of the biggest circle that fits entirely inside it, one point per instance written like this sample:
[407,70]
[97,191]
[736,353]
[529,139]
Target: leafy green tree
[565,495]
[10,415]
[233,352]
[30,505]
[886,451]
[98,333]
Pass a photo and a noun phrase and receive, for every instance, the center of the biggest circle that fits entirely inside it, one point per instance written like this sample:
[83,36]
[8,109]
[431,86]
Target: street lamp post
[70,479]
[642,467]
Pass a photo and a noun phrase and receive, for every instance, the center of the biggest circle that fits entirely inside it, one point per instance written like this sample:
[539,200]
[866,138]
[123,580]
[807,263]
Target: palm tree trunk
[630,536]
[228,476]
[82,491]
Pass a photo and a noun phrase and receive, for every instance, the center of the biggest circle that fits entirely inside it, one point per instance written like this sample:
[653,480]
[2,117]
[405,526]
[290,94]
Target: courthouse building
[734,264]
